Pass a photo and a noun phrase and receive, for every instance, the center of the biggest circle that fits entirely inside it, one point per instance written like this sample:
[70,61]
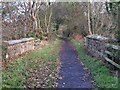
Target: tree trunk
[89,26]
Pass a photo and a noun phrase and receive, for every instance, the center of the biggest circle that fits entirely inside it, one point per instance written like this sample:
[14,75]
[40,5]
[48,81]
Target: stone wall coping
[113,46]
[97,37]
[12,42]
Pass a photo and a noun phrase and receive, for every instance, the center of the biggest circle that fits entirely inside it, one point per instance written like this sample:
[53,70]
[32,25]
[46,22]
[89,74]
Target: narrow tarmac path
[72,72]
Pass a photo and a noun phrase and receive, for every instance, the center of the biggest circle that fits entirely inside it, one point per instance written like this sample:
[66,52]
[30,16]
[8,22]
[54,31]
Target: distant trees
[118,32]
[102,22]
[113,8]
[24,19]
[41,19]
[9,20]
[73,16]
[86,18]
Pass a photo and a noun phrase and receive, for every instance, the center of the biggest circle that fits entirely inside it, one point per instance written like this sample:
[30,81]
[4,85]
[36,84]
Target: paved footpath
[72,72]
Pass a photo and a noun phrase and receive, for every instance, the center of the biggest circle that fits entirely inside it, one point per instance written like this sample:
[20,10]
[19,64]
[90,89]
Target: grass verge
[101,74]
[36,69]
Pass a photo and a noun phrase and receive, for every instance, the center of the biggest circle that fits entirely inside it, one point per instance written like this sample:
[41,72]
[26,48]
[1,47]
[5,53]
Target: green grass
[101,74]
[39,64]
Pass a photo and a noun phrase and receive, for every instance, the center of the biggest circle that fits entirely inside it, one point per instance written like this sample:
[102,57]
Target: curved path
[72,72]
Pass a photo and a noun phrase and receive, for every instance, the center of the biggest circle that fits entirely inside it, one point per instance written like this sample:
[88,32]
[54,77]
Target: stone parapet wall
[100,47]
[95,42]
[18,47]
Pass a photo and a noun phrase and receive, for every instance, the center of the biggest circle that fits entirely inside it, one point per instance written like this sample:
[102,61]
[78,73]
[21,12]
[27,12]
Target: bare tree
[89,23]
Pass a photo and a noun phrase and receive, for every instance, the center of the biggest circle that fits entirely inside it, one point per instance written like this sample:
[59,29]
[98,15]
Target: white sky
[62,0]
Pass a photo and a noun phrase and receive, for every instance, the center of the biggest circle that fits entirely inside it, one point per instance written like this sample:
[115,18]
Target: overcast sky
[62,0]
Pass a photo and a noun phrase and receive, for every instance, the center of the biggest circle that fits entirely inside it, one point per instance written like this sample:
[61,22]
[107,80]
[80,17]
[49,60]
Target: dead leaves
[43,74]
